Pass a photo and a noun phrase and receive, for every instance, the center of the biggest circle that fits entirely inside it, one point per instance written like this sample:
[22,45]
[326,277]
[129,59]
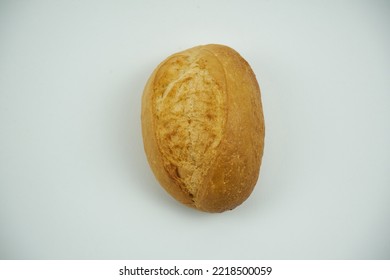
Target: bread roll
[203,127]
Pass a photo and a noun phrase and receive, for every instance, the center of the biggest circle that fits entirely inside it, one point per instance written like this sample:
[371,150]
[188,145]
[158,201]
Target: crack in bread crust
[190,110]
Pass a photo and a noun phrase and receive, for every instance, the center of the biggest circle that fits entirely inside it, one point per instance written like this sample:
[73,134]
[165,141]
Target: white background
[74,180]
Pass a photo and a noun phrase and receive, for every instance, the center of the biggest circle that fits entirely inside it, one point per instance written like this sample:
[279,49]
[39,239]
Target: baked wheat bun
[203,127]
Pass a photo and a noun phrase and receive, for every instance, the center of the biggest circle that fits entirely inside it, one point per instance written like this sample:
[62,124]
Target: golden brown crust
[203,127]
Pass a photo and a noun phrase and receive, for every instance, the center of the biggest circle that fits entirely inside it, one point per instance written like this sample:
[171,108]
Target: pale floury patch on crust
[190,111]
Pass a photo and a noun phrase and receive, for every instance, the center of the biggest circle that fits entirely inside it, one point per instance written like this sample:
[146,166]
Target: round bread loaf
[203,127]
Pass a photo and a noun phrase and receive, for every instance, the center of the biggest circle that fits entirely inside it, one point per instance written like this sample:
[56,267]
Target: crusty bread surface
[203,127]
